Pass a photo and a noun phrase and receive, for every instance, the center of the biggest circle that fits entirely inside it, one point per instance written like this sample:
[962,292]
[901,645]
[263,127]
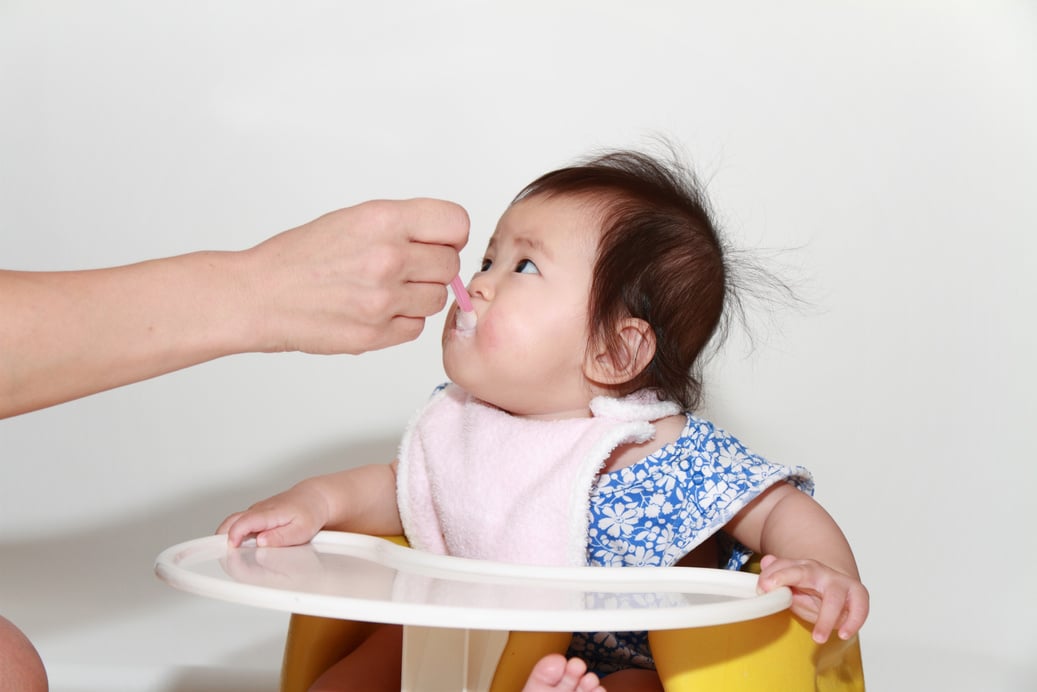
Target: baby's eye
[486,264]
[526,267]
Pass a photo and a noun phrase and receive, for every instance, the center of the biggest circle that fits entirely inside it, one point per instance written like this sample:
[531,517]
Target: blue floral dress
[656,511]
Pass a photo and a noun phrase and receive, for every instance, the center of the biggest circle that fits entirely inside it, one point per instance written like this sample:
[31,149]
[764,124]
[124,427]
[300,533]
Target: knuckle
[384,261]
[380,213]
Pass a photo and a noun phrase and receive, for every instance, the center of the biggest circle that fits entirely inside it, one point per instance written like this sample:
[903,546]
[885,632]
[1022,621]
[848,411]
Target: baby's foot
[555,674]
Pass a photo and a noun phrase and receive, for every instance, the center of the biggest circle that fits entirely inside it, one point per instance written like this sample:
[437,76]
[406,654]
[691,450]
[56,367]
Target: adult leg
[21,667]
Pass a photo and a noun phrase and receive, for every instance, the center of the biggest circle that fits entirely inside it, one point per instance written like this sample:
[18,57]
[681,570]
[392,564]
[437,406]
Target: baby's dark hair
[660,259]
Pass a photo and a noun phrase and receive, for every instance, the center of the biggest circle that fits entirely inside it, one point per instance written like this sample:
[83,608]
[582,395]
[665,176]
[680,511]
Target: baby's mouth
[464,322]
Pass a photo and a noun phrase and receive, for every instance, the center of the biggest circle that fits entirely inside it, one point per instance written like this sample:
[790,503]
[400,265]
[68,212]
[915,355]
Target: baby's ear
[636,348]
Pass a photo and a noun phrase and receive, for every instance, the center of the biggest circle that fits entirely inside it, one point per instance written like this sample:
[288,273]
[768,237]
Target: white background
[887,149]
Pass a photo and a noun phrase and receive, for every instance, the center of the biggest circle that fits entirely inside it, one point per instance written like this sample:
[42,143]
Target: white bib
[474,481]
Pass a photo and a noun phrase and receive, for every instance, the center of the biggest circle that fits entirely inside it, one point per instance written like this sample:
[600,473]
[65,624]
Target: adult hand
[350,281]
[356,279]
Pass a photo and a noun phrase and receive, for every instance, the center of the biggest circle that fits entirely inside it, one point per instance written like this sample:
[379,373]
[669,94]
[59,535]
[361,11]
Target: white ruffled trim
[641,405]
[635,431]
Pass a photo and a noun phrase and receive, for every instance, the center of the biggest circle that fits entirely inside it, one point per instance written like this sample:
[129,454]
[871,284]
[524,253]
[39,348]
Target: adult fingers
[436,221]
[425,262]
[420,300]
[399,329]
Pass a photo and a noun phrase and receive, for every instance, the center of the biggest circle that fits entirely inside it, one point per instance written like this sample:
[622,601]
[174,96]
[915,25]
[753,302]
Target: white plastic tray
[358,577]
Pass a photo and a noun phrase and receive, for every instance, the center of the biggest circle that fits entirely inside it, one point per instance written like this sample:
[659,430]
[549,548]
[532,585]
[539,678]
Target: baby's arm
[805,550]
[362,500]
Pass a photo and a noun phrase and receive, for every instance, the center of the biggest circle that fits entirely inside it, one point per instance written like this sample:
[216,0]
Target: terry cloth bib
[474,481]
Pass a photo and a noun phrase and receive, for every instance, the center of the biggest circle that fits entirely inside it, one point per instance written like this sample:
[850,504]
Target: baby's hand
[289,518]
[821,595]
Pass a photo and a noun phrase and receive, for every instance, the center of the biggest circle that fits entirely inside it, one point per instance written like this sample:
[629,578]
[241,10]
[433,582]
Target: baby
[566,435]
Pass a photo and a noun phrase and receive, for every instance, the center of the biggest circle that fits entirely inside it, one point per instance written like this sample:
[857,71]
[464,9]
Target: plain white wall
[889,149]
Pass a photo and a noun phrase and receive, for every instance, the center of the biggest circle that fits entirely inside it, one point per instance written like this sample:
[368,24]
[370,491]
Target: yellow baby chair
[766,654]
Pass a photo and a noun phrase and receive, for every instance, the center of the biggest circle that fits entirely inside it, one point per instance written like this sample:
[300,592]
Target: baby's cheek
[488,334]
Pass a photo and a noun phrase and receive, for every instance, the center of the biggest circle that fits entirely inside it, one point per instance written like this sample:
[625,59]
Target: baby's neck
[566,407]
[572,407]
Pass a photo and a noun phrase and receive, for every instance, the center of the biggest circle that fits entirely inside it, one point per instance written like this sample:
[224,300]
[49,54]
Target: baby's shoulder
[667,431]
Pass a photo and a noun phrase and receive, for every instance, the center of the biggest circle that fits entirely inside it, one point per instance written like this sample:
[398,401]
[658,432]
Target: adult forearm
[64,335]
[350,281]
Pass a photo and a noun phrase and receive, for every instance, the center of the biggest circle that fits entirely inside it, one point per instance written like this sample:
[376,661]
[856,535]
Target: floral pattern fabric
[656,511]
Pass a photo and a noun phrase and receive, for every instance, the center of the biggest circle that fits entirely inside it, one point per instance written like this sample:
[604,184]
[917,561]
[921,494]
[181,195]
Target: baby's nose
[481,286]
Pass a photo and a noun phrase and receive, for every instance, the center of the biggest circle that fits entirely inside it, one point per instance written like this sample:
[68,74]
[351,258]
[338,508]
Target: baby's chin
[486,390]
[454,371]
[476,385]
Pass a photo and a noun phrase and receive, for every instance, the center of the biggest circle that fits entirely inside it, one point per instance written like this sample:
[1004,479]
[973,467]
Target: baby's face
[527,352]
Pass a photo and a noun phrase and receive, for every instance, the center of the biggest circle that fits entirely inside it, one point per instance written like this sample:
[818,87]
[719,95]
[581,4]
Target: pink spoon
[466,316]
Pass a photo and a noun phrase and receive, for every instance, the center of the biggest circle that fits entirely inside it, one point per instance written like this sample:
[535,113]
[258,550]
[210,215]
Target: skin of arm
[805,550]
[361,500]
[353,280]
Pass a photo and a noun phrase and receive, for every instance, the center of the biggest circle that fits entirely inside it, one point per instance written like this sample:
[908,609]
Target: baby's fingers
[857,607]
[829,599]
[842,610]
[293,533]
[225,525]
[830,613]
[775,572]
[258,523]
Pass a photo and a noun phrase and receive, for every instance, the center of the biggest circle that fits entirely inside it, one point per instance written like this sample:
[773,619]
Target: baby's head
[660,259]
[653,277]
